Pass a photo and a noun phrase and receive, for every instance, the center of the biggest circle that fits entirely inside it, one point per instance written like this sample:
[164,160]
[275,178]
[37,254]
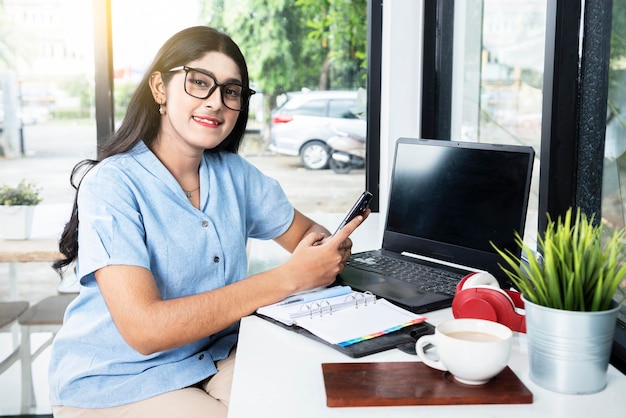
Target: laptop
[447,201]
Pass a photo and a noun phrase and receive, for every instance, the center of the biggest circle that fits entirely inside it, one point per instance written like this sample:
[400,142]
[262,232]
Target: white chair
[9,313]
[44,316]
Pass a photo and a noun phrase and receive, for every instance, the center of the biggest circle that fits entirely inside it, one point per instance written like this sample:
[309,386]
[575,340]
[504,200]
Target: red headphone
[478,295]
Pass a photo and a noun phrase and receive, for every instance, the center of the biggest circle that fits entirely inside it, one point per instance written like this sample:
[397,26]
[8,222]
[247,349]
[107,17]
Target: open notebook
[349,320]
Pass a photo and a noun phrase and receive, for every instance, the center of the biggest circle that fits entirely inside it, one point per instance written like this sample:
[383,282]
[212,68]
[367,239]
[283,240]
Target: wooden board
[413,383]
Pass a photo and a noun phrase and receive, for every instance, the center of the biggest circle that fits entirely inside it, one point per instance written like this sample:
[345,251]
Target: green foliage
[339,27]
[290,45]
[123,92]
[617,66]
[25,193]
[579,271]
[618,34]
[80,87]
[70,114]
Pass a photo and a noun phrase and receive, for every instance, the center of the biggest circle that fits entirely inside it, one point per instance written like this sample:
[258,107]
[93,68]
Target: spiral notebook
[343,320]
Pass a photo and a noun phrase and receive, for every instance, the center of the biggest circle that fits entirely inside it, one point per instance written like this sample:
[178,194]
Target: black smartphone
[359,207]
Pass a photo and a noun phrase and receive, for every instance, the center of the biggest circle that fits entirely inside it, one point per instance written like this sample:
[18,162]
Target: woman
[158,234]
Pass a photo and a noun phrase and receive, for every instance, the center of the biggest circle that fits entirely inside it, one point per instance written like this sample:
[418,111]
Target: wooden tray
[413,383]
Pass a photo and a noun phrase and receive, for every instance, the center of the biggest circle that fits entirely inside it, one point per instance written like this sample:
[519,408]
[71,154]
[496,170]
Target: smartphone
[359,207]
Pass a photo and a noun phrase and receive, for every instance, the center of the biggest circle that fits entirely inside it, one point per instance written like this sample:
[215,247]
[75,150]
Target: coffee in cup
[472,350]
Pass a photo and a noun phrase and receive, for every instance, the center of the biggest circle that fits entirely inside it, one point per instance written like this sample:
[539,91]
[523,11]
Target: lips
[207,120]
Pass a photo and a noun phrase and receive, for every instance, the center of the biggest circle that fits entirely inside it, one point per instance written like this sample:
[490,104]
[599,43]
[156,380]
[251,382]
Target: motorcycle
[347,151]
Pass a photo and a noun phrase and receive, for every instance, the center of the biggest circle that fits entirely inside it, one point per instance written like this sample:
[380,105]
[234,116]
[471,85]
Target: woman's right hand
[318,258]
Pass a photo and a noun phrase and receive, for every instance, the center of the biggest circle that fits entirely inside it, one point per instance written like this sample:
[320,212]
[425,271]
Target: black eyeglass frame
[246,92]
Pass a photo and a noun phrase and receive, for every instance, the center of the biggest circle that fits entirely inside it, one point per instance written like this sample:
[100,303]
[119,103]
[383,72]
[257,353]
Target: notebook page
[352,325]
[289,313]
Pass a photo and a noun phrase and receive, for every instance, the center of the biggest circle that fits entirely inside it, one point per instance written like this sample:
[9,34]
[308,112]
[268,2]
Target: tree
[294,45]
[339,28]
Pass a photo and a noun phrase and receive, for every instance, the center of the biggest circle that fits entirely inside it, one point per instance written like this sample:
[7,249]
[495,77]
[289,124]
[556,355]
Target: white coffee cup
[472,350]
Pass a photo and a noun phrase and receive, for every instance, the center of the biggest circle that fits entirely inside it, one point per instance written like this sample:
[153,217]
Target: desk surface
[30,250]
[278,373]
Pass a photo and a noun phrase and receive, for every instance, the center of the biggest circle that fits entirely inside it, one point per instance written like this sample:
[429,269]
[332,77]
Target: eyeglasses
[201,85]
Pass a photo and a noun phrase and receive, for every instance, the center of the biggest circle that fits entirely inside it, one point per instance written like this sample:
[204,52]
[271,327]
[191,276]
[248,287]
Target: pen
[289,301]
[320,294]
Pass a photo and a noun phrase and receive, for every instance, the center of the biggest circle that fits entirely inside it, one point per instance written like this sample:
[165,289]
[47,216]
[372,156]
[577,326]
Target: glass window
[497,86]
[47,92]
[290,48]
[614,175]
[310,108]
[341,109]
[47,89]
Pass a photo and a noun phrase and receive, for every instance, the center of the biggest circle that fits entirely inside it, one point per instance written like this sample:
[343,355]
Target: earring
[161,109]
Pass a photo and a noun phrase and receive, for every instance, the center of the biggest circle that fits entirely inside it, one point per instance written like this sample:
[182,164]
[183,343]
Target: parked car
[304,122]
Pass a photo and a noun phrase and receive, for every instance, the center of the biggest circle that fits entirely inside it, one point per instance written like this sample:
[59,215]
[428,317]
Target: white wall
[401,84]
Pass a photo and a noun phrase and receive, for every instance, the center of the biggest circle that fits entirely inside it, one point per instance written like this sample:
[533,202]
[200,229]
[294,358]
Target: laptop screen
[449,200]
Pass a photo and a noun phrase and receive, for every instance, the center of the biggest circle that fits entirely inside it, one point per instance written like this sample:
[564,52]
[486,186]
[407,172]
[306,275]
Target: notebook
[447,201]
[354,323]
[345,319]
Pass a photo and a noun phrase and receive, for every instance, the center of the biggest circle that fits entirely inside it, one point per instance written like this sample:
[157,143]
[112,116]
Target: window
[341,109]
[497,78]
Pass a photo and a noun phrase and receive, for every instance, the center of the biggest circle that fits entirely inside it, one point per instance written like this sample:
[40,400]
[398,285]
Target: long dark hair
[143,121]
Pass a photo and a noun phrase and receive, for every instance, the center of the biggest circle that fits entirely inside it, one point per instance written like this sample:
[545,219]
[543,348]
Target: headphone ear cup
[484,301]
[481,278]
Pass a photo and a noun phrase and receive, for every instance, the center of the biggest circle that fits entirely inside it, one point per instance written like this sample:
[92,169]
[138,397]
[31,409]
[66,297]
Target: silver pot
[569,351]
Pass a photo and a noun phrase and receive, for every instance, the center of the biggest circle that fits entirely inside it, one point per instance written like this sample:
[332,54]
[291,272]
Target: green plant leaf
[579,271]
[25,193]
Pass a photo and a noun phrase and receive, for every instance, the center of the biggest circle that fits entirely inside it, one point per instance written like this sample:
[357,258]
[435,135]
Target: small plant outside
[579,271]
[24,194]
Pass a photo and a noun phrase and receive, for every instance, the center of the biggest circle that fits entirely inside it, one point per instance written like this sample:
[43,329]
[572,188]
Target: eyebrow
[206,72]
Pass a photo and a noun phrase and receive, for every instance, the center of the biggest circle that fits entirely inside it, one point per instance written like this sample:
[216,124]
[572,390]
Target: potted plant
[17,206]
[570,301]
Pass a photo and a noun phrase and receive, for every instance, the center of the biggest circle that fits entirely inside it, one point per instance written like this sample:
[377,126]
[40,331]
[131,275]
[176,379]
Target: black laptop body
[448,201]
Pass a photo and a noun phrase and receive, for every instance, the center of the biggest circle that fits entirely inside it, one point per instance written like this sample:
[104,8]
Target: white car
[301,126]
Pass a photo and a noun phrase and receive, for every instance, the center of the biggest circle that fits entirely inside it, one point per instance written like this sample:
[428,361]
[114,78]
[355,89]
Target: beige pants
[208,400]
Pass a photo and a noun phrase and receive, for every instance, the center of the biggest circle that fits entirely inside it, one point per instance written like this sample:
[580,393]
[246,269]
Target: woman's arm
[150,324]
[300,227]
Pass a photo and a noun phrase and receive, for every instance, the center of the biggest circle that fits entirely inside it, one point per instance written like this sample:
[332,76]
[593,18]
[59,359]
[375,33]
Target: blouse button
[216,259]
[205,224]
[201,357]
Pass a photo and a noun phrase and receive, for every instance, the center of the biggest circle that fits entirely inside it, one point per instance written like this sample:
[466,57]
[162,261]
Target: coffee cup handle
[422,342]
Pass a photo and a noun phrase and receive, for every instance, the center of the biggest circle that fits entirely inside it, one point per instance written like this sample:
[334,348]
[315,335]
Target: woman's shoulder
[116,167]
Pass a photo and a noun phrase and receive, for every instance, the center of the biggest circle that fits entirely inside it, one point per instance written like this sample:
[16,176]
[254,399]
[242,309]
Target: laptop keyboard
[425,278]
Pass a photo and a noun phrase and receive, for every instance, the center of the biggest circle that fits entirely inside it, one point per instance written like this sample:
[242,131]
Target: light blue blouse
[133,212]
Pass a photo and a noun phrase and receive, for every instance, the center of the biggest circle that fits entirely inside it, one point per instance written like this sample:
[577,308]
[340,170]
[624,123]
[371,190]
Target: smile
[207,120]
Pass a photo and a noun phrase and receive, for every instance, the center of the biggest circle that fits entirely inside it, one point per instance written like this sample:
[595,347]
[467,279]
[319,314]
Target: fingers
[343,234]
[313,238]
[346,251]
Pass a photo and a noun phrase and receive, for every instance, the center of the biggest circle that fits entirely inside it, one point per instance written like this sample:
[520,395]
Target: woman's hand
[319,258]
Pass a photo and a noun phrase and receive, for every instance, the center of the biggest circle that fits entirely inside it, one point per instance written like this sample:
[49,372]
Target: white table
[43,246]
[278,373]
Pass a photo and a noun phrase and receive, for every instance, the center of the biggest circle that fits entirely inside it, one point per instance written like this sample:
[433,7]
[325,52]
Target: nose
[214,100]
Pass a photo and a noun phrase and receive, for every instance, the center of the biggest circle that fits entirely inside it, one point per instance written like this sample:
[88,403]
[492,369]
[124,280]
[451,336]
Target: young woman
[158,234]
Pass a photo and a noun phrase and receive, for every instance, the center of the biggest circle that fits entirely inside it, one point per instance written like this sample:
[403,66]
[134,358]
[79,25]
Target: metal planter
[569,351]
